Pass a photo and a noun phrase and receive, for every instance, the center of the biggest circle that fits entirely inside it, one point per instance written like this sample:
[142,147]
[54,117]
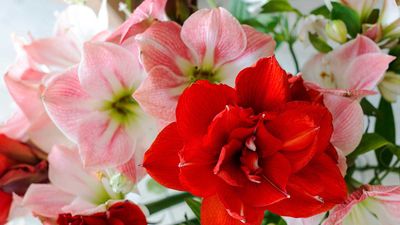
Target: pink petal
[104,143]
[27,97]
[214,36]
[347,59]
[17,209]
[367,70]
[382,203]
[138,21]
[67,103]
[44,134]
[356,66]
[57,53]
[46,200]
[107,69]
[159,93]
[161,45]
[79,23]
[81,206]
[16,127]
[66,172]
[348,123]
[259,45]
[314,71]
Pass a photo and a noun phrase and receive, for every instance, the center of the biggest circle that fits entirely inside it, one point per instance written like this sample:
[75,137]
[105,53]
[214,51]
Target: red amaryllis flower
[263,145]
[20,165]
[120,213]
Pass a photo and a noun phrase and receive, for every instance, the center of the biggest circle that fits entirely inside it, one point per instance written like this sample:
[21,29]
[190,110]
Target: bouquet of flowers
[195,98]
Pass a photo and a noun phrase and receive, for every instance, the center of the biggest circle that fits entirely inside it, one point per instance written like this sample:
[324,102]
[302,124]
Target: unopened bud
[336,30]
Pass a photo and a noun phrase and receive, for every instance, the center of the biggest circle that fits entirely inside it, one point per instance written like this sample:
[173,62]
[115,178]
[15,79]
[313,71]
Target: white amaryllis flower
[390,19]
[312,24]
[390,86]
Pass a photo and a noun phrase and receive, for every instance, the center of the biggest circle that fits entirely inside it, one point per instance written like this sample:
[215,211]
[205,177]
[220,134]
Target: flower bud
[336,30]
[390,86]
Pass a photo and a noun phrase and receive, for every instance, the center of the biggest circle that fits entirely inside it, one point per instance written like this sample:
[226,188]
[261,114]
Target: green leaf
[275,6]
[282,222]
[395,64]
[319,43]
[155,187]
[239,10]
[373,17]
[322,10]
[348,16]
[368,108]
[180,10]
[369,142]
[385,126]
[395,150]
[194,206]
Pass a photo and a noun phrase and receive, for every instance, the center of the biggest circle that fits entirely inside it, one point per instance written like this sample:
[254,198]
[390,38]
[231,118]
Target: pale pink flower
[74,189]
[211,45]
[37,61]
[94,107]
[369,205]
[345,75]
[142,18]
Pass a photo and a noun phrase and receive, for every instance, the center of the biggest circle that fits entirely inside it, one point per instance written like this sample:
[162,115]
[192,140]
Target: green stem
[296,63]
[212,3]
[379,177]
[157,206]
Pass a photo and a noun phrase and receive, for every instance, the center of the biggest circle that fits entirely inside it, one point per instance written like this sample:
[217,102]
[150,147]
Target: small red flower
[263,145]
[121,213]
[19,167]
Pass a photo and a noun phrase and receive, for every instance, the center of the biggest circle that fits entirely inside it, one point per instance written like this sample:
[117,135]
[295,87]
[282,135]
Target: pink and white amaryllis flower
[369,205]
[74,189]
[94,107]
[142,18]
[345,75]
[211,45]
[37,61]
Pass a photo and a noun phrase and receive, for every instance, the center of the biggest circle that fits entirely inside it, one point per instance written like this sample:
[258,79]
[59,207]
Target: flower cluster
[196,99]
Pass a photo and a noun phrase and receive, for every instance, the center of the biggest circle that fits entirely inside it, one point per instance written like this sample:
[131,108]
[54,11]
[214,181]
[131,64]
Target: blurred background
[37,18]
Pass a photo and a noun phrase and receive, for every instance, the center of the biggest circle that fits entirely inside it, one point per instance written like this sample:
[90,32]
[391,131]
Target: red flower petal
[15,150]
[161,160]
[126,213]
[197,166]
[214,212]
[315,189]
[262,87]
[310,131]
[5,203]
[199,104]
[276,171]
